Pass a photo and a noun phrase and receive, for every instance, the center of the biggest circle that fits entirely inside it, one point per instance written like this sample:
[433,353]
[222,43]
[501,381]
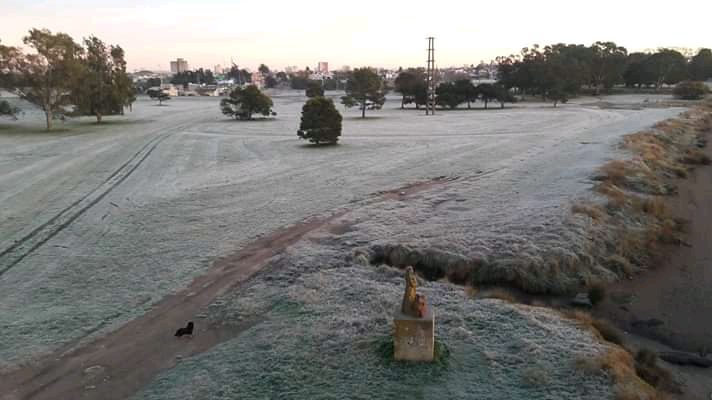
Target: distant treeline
[567,68]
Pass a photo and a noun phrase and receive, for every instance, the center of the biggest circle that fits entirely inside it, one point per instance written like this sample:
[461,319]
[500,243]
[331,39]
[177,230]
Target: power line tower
[430,78]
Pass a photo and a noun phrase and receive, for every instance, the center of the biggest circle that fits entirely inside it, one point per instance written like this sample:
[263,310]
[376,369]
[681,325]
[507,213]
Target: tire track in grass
[24,246]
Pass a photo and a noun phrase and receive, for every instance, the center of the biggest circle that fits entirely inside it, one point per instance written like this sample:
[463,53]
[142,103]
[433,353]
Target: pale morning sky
[358,32]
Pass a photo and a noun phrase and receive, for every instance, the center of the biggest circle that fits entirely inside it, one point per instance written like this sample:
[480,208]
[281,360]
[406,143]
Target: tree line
[63,77]
[559,71]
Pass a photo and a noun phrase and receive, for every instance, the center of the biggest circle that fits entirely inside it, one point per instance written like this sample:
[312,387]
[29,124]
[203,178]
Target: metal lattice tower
[430,78]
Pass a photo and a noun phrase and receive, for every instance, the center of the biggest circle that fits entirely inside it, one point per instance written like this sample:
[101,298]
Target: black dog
[188,330]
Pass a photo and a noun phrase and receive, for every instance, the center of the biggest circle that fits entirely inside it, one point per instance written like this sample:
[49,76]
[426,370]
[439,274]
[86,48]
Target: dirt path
[672,303]
[119,364]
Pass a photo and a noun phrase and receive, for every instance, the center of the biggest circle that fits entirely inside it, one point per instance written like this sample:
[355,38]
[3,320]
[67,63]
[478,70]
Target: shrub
[690,90]
[243,103]
[321,121]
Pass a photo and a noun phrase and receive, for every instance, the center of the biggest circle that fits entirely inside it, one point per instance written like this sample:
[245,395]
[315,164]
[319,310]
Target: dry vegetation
[620,366]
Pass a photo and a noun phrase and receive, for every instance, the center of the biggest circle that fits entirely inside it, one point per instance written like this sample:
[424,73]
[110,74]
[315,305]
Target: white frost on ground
[325,332]
[211,185]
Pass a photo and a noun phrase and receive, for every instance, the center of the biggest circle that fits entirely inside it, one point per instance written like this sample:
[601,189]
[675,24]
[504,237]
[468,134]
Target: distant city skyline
[380,34]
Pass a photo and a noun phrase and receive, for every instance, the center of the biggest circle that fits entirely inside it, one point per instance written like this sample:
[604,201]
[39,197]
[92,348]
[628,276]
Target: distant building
[322,67]
[179,65]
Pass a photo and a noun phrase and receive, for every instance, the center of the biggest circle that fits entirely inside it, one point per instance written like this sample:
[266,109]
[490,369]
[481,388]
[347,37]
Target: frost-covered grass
[214,185]
[328,321]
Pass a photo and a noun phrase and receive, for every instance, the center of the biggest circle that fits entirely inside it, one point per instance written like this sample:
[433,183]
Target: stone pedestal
[414,338]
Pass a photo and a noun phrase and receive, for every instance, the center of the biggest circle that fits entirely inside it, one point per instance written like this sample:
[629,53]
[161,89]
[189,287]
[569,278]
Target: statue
[414,304]
[414,325]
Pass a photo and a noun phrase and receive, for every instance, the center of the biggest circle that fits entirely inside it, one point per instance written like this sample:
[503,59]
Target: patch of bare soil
[672,302]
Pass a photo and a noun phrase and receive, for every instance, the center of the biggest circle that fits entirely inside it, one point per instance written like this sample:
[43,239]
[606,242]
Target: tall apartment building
[179,65]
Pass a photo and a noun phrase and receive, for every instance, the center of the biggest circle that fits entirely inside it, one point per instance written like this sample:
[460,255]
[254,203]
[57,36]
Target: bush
[8,110]
[321,121]
[690,90]
[242,103]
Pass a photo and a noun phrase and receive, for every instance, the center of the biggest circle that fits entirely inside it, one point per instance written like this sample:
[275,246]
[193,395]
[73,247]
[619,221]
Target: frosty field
[98,223]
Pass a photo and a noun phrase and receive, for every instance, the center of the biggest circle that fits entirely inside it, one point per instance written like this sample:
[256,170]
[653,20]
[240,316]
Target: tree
[487,92]
[314,89]
[608,62]
[690,90]
[667,66]
[365,90]
[270,82]
[558,94]
[420,94]
[321,122]
[199,76]
[242,103]
[123,89]
[298,82]
[100,91]
[503,95]
[637,71]
[47,76]
[466,91]
[406,84]
[264,70]
[161,96]
[446,95]
[701,65]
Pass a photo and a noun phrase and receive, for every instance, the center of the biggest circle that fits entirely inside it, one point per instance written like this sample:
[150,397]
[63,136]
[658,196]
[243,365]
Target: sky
[382,33]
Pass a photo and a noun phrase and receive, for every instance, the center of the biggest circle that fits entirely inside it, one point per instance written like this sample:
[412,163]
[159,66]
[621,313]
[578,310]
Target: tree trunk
[486,104]
[403,102]
[363,110]
[555,102]
[48,117]
[501,105]
[98,118]
[468,104]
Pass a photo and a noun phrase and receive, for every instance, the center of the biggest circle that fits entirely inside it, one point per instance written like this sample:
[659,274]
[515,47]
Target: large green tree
[103,88]
[446,95]
[466,91]
[47,76]
[321,121]
[365,90]
[701,65]
[608,62]
[406,83]
[487,92]
[667,66]
[243,103]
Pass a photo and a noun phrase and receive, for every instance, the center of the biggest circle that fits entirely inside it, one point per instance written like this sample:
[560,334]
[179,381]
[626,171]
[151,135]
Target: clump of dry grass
[595,212]
[647,368]
[603,329]
[620,366]
[695,157]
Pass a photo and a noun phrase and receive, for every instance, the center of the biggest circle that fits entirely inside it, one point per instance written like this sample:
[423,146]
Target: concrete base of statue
[414,338]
